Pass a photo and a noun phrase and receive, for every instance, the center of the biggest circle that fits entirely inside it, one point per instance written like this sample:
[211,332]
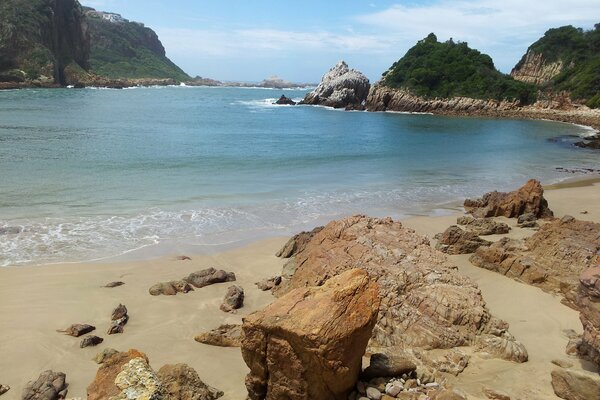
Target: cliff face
[534,69]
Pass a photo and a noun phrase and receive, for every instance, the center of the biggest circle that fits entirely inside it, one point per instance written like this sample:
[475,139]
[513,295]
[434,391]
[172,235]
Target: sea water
[89,174]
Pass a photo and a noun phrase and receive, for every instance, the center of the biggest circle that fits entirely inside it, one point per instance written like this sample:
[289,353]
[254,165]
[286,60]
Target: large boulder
[425,303]
[181,382]
[341,87]
[209,276]
[308,344]
[575,385]
[234,299]
[527,199]
[49,385]
[455,240]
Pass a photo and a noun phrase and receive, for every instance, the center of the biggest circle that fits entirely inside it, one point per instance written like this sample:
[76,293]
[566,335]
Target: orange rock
[103,387]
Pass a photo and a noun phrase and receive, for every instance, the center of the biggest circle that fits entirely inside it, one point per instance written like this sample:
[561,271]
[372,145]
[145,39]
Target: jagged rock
[454,240]
[268,284]
[341,87]
[138,381]
[285,101]
[552,258]
[483,226]
[234,299]
[49,385]
[588,302]
[103,387]
[90,341]
[4,389]
[575,385]
[309,343]
[104,355]
[208,277]
[170,288]
[223,336]
[297,243]
[77,330]
[425,302]
[119,320]
[527,199]
[181,382]
[114,284]
[382,365]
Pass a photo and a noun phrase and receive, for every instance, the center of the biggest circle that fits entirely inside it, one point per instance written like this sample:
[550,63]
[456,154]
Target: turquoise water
[88,174]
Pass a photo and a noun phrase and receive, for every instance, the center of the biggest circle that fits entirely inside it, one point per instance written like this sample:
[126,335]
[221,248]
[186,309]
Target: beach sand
[36,301]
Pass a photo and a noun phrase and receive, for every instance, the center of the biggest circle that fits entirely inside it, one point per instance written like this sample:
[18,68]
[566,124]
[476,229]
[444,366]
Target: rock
[590,143]
[223,336]
[527,199]
[103,387]
[451,361]
[528,220]
[234,299]
[506,348]
[208,277]
[90,340]
[575,385]
[4,389]
[105,354]
[534,68]
[425,302]
[373,394]
[449,394]
[341,87]
[297,243]
[170,288]
[483,226]
[393,388]
[552,258]
[114,284]
[269,284]
[138,381]
[119,320]
[457,241]
[181,382]
[382,365]
[49,386]
[285,101]
[77,330]
[119,313]
[495,394]
[588,302]
[309,343]
[183,258]
[562,363]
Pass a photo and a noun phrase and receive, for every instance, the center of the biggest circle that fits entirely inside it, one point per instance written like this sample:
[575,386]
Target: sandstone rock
[4,389]
[269,284]
[223,336]
[77,330]
[457,241]
[104,355]
[425,302]
[588,302]
[575,385]
[297,243]
[483,226]
[114,284]
[208,277]
[103,387]
[48,386]
[341,87]
[119,320]
[495,394]
[382,365]
[285,101]
[138,381]
[90,340]
[234,299]
[309,343]
[527,199]
[170,288]
[181,382]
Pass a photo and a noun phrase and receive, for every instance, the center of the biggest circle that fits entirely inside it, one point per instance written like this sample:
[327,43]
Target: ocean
[94,174]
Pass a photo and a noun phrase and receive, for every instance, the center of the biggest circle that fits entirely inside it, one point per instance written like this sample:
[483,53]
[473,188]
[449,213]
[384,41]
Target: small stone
[104,355]
[432,385]
[268,284]
[410,384]
[119,320]
[360,386]
[119,312]
[393,388]
[373,393]
[114,284]
[224,336]
[4,389]
[77,330]
[89,341]
[234,299]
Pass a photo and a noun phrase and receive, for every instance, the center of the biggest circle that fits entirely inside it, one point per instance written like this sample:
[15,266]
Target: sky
[249,40]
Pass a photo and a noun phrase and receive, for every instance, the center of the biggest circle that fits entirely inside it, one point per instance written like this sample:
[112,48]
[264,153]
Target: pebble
[393,388]
[373,393]
[432,385]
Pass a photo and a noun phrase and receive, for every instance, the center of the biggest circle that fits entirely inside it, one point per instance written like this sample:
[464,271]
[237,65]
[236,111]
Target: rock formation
[119,319]
[457,241]
[209,276]
[527,199]
[103,387]
[137,380]
[285,101]
[341,87]
[425,303]
[552,259]
[48,386]
[533,68]
[588,302]
[309,343]
[483,226]
[224,336]
[575,385]
[234,299]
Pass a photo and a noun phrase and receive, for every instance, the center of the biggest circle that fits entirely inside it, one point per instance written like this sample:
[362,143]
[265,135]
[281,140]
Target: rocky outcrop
[209,276]
[575,385]
[483,226]
[297,243]
[552,259]
[234,299]
[137,380]
[77,330]
[457,241]
[425,303]
[103,387]
[588,302]
[49,385]
[341,87]
[309,343]
[224,336]
[285,101]
[527,199]
[181,382]
[533,68]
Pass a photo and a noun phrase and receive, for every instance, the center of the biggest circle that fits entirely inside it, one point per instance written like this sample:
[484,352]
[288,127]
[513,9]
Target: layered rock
[49,385]
[552,258]
[309,343]
[425,303]
[457,241]
[533,68]
[527,199]
[341,87]
[483,226]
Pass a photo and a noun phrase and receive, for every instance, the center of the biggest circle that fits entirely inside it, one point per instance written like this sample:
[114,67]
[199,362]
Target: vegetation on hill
[450,69]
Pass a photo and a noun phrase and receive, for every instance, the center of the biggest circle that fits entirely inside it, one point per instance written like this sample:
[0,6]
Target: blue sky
[250,40]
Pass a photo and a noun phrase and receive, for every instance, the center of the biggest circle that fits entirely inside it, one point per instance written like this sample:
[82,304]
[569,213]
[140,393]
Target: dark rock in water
[341,87]
[209,276]
[170,288]
[268,284]
[483,226]
[223,336]
[285,101]
[114,284]
[49,386]
[119,320]
[590,143]
[382,365]
[234,299]
[454,240]
[91,340]
[77,330]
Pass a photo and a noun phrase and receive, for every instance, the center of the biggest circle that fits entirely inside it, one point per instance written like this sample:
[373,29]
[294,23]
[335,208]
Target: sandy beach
[36,301]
